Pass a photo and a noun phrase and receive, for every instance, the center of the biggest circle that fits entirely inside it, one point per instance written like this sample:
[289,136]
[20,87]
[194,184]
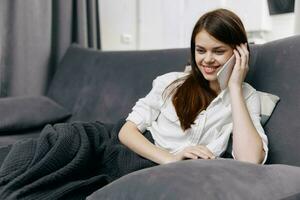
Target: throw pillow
[224,179]
[268,103]
[18,113]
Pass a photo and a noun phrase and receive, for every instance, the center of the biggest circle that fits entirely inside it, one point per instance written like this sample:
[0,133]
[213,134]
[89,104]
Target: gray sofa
[104,86]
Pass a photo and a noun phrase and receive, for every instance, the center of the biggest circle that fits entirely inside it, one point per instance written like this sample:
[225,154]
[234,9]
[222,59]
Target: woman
[187,113]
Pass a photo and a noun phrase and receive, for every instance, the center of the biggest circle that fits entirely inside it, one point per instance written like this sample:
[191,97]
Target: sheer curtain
[35,34]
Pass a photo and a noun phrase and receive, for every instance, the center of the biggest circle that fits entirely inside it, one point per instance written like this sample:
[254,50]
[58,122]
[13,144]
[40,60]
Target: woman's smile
[209,70]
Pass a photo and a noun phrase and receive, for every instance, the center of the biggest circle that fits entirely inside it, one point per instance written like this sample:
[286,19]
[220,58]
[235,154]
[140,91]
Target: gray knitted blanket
[67,161]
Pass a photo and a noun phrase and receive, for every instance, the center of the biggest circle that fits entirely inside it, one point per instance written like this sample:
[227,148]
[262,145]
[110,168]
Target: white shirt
[211,128]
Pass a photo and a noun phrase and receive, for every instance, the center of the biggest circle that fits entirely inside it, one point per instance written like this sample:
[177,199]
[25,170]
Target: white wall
[193,9]
[297,16]
[283,25]
[118,20]
[156,24]
[160,23]
[169,23]
[254,13]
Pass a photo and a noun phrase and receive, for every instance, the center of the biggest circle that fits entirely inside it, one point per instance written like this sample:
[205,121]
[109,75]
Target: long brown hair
[193,94]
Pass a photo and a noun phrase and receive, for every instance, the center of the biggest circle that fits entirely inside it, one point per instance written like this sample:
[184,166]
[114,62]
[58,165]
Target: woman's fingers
[244,53]
[206,151]
[244,47]
[196,152]
[237,60]
[243,62]
[201,152]
[241,66]
[190,155]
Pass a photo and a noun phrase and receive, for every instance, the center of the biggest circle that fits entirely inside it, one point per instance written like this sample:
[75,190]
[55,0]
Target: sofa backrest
[104,86]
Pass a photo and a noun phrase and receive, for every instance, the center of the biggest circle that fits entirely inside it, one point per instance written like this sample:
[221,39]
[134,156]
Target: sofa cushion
[19,113]
[205,179]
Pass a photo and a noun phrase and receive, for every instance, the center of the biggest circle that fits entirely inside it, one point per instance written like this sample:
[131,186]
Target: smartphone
[224,74]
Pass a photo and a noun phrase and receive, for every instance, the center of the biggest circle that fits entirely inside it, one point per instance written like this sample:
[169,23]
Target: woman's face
[210,54]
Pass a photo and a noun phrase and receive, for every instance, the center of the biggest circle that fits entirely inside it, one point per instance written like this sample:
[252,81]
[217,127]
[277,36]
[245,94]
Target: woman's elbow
[254,158]
[121,134]
[124,131]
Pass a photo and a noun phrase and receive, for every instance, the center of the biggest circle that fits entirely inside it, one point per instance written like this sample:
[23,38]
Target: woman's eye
[219,52]
[201,51]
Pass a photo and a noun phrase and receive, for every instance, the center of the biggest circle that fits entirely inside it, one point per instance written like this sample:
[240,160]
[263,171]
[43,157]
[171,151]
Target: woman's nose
[209,58]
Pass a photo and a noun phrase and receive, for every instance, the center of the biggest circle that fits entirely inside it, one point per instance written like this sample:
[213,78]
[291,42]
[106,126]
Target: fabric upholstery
[104,86]
[68,161]
[274,68]
[268,103]
[19,113]
[205,179]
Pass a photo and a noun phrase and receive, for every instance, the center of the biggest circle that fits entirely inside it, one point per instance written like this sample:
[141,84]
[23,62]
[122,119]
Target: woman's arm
[131,137]
[247,144]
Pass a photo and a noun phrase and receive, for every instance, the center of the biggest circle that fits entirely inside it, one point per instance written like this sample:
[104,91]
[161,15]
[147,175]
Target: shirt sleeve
[253,105]
[147,109]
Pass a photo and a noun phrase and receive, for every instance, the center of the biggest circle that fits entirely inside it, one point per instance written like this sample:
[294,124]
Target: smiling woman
[210,55]
[191,104]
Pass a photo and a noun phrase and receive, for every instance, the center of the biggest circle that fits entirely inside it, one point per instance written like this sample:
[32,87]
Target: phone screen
[224,74]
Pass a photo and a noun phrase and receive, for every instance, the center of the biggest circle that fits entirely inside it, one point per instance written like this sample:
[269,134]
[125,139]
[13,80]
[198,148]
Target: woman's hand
[240,68]
[193,152]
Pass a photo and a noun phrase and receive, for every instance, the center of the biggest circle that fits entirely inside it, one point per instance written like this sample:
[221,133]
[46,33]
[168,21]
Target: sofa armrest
[21,113]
